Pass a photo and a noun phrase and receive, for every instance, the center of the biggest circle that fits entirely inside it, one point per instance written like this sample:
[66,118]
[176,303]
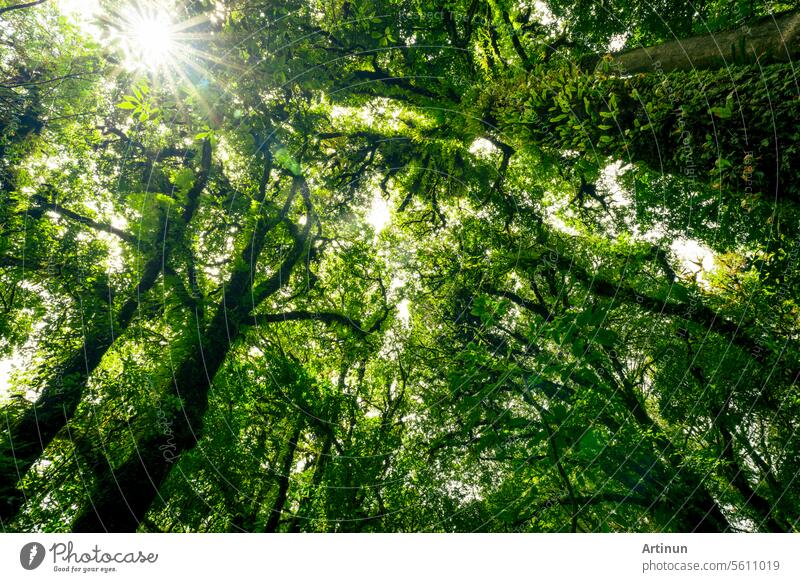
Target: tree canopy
[383,266]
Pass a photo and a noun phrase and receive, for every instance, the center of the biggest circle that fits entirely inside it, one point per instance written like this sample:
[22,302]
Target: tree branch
[533,306]
[323,316]
[21,6]
[162,153]
[516,42]
[281,276]
[43,206]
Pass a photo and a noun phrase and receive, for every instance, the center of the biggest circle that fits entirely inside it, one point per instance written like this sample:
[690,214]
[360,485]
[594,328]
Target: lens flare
[148,39]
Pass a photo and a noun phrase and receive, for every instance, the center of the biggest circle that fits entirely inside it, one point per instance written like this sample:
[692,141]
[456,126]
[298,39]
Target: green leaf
[721,112]
[287,161]
[591,317]
[585,378]
[605,337]
[591,443]
[184,179]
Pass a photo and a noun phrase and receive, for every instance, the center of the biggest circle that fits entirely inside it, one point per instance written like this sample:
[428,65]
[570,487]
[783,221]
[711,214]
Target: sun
[158,38]
[147,38]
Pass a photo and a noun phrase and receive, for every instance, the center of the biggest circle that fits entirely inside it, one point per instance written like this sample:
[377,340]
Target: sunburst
[148,38]
[153,37]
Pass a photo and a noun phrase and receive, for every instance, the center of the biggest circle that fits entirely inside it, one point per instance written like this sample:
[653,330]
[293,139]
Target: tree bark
[677,493]
[284,479]
[21,6]
[303,515]
[692,506]
[30,435]
[124,494]
[726,131]
[775,38]
[767,514]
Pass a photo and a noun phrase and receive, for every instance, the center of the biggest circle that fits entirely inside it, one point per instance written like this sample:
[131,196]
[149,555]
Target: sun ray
[202,55]
[147,38]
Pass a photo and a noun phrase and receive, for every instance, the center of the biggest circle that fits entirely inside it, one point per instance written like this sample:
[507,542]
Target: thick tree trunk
[689,506]
[124,494]
[676,500]
[680,499]
[767,515]
[772,39]
[29,436]
[727,131]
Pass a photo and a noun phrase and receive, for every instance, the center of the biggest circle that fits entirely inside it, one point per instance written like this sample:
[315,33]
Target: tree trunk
[284,477]
[774,38]
[31,434]
[303,515]
[680,499]
[689,505]
[766,514]
[727,131]
[124,494]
